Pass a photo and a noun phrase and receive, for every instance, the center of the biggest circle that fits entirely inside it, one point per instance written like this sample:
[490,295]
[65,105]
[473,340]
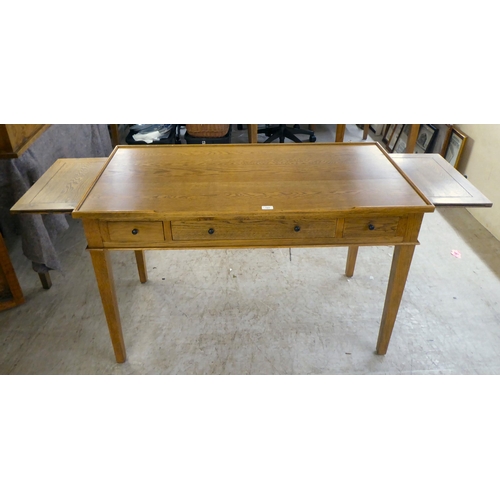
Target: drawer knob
[371,227]
[296,229]
[211,231]
[135,231]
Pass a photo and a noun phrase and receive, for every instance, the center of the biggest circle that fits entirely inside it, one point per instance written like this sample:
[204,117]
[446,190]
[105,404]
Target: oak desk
[238,196]
[247,196]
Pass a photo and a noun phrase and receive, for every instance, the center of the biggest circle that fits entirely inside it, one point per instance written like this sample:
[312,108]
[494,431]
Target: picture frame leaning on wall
[395,136]
[388,133]
[453,146]
[426,136]
[400,146]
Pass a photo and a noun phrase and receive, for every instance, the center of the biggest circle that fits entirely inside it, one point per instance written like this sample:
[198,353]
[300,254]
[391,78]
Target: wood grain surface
[185,181]
[61,187]
[440,181]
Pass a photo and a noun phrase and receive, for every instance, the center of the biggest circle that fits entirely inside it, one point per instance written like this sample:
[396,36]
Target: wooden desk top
[235,180]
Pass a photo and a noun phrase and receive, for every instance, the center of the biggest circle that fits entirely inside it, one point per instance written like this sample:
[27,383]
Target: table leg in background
[45,280]
[352,254]
[140,257]
[366,129]
[115,135]
[412,139]
[105,281]
[252,133]
[401,262]
[339,133]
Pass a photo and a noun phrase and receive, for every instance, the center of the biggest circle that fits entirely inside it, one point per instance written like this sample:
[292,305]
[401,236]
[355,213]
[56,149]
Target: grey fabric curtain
[39,232]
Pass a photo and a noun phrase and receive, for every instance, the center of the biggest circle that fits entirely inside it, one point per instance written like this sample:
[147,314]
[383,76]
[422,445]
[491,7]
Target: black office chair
[281,132]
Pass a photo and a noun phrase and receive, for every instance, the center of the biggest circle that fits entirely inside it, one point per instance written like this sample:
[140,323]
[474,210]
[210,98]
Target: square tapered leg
[401,262]
[105,281]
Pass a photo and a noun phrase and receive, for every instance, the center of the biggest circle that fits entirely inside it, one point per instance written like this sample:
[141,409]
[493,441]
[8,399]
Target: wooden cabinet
[11,294]
[16,139]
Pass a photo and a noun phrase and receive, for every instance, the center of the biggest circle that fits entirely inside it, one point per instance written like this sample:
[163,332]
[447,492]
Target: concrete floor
[268,311]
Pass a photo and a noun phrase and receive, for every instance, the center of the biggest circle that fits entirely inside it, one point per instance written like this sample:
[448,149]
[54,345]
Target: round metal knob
[371,227]
[296,229]
[135,231]
[211,231]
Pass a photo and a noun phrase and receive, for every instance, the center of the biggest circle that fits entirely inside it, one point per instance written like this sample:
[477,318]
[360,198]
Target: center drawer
[248,229]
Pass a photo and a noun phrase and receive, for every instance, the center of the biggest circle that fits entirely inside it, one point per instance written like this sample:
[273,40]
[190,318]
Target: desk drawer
[252,229]
[131,232]
[377,227]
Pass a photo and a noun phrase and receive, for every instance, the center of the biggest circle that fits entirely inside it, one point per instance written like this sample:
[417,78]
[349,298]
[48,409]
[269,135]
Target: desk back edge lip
[94,182]
[405,176]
